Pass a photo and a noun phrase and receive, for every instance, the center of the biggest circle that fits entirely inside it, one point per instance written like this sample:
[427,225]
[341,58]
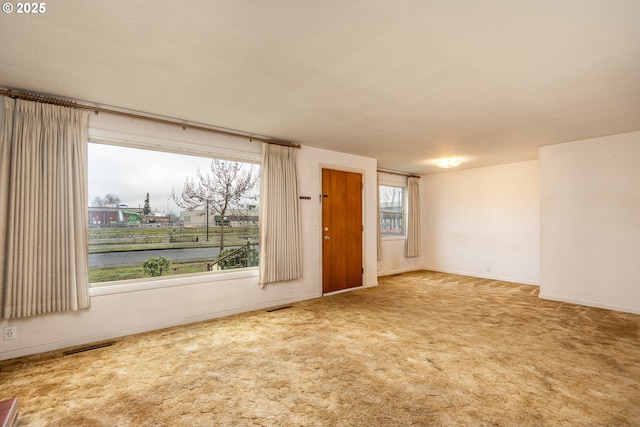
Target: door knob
[327,238]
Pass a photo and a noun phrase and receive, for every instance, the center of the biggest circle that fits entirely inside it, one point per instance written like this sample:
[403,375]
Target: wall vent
[282,307]
[88,348]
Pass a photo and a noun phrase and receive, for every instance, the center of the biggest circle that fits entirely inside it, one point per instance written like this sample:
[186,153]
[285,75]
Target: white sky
[131,173]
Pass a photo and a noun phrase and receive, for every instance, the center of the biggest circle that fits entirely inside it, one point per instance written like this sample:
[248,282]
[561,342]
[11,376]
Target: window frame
[181,147]
[403,187]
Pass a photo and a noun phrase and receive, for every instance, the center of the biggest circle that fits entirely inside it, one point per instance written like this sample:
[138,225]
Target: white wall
[126,309]
[393,260]
[484,222]
[590,241]
[393,248]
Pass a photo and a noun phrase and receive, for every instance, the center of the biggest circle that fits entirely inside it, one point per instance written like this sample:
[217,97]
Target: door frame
[319,234]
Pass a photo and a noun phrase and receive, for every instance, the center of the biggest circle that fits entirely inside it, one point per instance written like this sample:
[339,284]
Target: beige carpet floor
[421,349]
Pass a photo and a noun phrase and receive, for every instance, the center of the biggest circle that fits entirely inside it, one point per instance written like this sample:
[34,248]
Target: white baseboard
[404,270]
[485,276]
[589,303]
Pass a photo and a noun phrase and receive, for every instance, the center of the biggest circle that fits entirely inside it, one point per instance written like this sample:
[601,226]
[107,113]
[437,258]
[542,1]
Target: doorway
[342,230]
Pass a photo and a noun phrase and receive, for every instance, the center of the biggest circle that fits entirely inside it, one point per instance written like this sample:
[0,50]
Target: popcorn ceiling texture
[422,348]
[404,82]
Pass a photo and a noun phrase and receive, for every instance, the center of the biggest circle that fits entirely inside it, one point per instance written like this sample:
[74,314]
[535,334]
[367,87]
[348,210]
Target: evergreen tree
[147,209]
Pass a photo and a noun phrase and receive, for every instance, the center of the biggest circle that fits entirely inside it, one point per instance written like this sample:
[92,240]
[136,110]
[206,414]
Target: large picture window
[155,213]
[392,212]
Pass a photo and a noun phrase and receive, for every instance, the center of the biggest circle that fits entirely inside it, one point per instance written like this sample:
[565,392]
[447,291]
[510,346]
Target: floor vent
[282,307]
[88,348]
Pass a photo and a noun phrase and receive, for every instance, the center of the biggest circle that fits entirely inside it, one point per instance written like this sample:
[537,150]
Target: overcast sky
[132,173]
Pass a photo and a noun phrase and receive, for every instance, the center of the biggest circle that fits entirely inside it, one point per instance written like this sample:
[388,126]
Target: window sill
[392,238]
[125,286]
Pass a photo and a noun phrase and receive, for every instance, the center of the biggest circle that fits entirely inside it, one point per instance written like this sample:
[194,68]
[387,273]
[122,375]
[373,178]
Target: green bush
[154,267]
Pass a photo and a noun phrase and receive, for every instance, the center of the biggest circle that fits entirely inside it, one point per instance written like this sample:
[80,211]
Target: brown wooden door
[341,230]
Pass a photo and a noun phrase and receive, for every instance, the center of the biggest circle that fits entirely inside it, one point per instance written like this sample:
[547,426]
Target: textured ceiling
[403,82]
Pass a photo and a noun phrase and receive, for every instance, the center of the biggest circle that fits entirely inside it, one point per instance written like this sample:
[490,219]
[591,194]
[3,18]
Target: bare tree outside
[109,200]
[222,188]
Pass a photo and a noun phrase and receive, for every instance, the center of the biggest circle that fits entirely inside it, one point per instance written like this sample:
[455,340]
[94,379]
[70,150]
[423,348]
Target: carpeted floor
[421,349]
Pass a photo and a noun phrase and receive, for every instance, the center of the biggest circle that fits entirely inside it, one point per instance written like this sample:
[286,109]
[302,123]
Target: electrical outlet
[10,333]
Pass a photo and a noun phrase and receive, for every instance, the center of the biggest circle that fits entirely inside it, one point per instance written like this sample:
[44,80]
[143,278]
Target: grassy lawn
[137,238]
[135,272]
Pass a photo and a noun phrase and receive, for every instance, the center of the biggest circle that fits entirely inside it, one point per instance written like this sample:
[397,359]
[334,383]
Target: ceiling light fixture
[451,162]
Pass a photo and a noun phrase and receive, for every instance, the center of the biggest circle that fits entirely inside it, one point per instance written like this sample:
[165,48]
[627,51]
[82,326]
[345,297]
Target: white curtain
[279,220]
[413,217]
[43,209]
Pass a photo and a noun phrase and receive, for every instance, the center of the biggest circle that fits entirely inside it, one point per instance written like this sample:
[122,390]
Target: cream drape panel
[379,233]
[279,220]
[43,209]
[413,218]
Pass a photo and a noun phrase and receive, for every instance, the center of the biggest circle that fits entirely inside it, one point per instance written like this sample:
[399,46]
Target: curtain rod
[12,93]
[398,173]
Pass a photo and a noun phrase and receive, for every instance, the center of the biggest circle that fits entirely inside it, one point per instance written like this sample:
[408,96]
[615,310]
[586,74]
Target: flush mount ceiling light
[451,162]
